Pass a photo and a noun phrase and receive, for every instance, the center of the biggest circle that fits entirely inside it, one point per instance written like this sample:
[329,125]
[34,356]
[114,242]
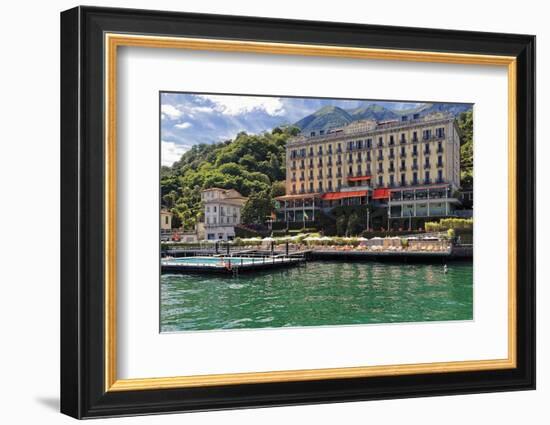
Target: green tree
[466,129]
[354,224]
[258,207]
[341,225]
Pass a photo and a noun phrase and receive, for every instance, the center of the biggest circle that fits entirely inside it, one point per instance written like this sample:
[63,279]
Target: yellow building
[411,166]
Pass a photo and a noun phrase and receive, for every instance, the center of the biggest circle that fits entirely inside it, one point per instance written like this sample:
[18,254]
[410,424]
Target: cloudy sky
[189,119]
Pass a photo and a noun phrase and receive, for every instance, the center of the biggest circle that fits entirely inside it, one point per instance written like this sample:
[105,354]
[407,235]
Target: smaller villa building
[222,212]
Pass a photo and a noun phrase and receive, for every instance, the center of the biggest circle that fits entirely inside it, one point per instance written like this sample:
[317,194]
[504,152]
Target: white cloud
[183,125]
[170,111]
[171,152]
[237,105]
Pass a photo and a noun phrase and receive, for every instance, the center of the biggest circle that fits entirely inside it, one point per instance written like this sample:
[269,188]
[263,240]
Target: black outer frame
[82,207]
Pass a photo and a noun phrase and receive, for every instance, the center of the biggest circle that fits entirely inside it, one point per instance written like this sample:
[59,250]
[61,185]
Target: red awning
[332,196]
[358,178]
[381,194]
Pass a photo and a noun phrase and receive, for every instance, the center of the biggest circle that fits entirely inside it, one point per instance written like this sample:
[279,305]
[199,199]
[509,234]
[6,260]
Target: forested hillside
[252,164]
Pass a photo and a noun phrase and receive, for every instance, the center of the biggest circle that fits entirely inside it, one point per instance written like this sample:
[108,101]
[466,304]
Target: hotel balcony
[338,175]
[403,154]
[415,140]
[414,153]
[391,170]
[427,165]
[402,168]
[439,149]
[414,167]
[439,165]
[338,162]
[403,141]
[292,167]
[391,156]
[427,181]
[380,157]
[427,151]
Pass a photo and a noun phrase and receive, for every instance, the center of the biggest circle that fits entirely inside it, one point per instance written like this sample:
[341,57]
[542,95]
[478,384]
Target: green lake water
[319,294]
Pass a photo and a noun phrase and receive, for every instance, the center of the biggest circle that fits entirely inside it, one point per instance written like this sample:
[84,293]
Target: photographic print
[289,212]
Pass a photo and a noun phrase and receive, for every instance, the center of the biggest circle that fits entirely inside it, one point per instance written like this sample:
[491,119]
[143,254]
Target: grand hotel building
[411,167]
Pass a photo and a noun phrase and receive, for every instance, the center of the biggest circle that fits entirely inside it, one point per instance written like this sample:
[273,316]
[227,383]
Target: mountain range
[334,116]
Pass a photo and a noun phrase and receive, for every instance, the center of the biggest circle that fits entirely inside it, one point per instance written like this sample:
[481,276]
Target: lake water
[319,294]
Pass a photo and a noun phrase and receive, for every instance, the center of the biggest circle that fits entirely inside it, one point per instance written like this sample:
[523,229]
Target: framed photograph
[261,212]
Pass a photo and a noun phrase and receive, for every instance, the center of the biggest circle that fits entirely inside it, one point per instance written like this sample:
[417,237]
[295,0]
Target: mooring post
[286,249]
[272,248]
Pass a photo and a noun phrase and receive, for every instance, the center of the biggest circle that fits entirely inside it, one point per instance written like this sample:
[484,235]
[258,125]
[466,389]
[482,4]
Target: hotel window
[440,132]
[350,158]
[359,157]
[380,156]
[415,150]
[369,143]
[391,140]
[415,136]
[392,181]
[439,176]
[440,161]
[403,179]
[339,184]
[302,165]
[439,147]
[427,134]
[320,174]
[368,168]
[380,143]
[402,165]
[293,154]
[359,172]
[339,149]
[293,165]
[320,150]
[330,149]
[215,209]
[294,188]
[368,155]
[293,176]
[391,153]
[311,174]
[303,152]
[320,186]
[403,153]
[350,170]
[330,185]
[350,146]
[380,181]
[312,134]
[302,188]
[311,151]
[380,169]
[415,178]
[359,144]
[310,187]
[403,140]
[427,177]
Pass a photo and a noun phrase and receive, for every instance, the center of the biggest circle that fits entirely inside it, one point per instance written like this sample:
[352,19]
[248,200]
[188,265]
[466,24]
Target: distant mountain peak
[333,116]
